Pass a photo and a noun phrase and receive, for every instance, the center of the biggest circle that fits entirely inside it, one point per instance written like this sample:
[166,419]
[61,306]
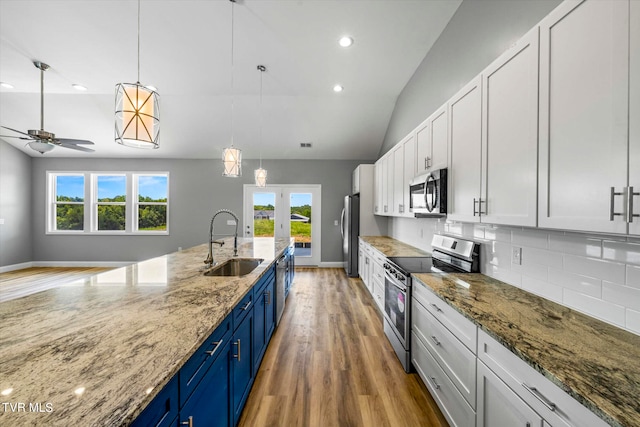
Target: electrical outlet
[231,222]
[335,222]
[516,255]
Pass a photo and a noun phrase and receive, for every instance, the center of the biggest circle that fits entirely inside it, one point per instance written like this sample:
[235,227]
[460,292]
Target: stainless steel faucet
[209,261]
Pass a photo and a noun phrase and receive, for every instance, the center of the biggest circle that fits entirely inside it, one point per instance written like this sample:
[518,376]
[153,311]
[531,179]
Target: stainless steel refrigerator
[350,229]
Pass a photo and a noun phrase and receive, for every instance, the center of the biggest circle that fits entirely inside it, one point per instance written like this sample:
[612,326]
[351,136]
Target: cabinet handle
[435,383]
[268,295]
[237,356]
[474,207]
[246,306]
[546,402]
[435,340]
[528,424]
[436,307]
[400,208]
[385,208]
[612,212]
[217,346]
[630,214]
[480,202]
[188,423]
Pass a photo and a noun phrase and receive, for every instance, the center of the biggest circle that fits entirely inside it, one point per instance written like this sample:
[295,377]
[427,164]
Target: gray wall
[196,191]
[15,206]
[478,33]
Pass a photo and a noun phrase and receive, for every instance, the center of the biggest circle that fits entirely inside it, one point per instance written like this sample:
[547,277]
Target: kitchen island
[96,351]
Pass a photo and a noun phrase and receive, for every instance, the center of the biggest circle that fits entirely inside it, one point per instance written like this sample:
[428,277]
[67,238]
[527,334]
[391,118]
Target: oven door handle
[392,281]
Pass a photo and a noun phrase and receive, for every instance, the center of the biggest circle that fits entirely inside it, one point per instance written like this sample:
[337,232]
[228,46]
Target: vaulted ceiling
[185,50]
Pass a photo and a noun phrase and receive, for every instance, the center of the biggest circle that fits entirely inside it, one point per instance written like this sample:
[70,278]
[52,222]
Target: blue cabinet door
[242,364]
[259,336]
[210,404]
[270,309]
[162,410]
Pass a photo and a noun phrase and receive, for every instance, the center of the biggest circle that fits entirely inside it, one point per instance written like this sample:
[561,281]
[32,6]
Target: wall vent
[305,145]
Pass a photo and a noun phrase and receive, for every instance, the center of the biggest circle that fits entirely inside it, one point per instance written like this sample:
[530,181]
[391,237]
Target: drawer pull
[217,346]
[435,383]
[246,306]
[268,295]
[546,402]
[188,423]
[436,307]
[435,340]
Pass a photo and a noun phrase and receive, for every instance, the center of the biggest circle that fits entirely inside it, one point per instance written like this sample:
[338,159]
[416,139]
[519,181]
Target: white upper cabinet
[431,138]
[465,125]
[387,184]
[397,207]
[634,116]
[584,121]
[510,136]
[408,171]
[377,188]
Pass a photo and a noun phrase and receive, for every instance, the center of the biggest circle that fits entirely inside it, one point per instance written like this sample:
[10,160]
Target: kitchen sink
[234,267]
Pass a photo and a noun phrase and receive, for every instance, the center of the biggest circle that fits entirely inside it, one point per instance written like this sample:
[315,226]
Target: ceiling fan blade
[63,141]
[17,131]
[76,147]
[13,136]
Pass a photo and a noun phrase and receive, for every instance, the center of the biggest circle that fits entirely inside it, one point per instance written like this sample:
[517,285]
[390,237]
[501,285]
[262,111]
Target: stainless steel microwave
[428,194]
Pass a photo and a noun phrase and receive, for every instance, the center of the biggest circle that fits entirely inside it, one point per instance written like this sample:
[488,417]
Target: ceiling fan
[39,139]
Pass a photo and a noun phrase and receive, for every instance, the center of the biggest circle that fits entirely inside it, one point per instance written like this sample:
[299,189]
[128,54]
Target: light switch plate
[231,222]
[516,255]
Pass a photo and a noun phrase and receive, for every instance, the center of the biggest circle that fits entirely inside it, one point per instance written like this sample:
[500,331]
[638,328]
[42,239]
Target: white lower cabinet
[552,404]
[498,405]
[371,272]
[453,406]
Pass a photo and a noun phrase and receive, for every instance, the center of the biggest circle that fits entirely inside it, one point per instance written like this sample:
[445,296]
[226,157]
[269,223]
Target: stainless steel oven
[397,302]
[428,194]
[449,254]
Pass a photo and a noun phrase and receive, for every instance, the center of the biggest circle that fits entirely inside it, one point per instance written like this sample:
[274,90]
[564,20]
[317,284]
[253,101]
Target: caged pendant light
[137,111]
[261,174]
[232,157]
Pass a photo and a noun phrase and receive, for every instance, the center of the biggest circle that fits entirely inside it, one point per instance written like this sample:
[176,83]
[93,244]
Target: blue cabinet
[212,387]
[242,364]
[163,410]
[264,316]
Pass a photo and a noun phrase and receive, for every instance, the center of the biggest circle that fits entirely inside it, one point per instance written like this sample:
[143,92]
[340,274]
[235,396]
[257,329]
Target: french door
[285,211]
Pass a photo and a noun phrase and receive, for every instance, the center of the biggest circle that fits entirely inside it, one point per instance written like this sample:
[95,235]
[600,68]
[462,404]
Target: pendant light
[137,111]
[261,174]
[232,157]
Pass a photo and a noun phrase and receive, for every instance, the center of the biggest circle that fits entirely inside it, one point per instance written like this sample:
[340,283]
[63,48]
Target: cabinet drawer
[196,367]
[533,388]
[454,407]
[457,361]
[163,409]
[378,257]
[242,308]
[461,327]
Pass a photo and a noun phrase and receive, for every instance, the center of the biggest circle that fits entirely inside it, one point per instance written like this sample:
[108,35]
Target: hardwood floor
[330,364]
[17,283]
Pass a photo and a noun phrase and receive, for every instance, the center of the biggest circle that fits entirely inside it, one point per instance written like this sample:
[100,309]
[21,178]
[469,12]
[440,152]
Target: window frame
[90,225]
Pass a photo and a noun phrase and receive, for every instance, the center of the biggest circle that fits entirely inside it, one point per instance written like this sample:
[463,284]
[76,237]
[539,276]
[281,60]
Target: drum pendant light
[261,174]
[232,157]
[137,111]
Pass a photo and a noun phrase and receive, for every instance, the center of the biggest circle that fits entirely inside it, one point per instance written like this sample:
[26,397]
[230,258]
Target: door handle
[237,356]
[614,193]
[630,214]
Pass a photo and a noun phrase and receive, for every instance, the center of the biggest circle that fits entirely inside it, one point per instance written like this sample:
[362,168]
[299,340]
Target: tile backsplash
[598,275]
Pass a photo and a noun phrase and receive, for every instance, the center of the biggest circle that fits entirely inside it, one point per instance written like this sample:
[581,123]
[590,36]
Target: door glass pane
[301,222]
[264,214]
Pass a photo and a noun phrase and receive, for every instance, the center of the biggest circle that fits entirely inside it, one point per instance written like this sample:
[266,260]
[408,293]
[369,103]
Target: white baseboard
[113,264]
[331,265]
[13,267]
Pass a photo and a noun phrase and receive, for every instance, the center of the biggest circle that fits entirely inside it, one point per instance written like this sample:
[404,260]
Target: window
[151,206]
[68,202]
[108,203]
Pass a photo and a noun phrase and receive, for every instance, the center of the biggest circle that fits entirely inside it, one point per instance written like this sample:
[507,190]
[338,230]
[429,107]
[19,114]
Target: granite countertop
[596,363]
[94,352]
[390,247]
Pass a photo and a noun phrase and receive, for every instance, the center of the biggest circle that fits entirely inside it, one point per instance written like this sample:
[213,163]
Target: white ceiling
[186,54]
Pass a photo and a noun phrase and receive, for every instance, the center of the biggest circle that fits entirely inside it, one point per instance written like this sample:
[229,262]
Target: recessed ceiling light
[79,87]
[6,85]
[345,41]
[338,88]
